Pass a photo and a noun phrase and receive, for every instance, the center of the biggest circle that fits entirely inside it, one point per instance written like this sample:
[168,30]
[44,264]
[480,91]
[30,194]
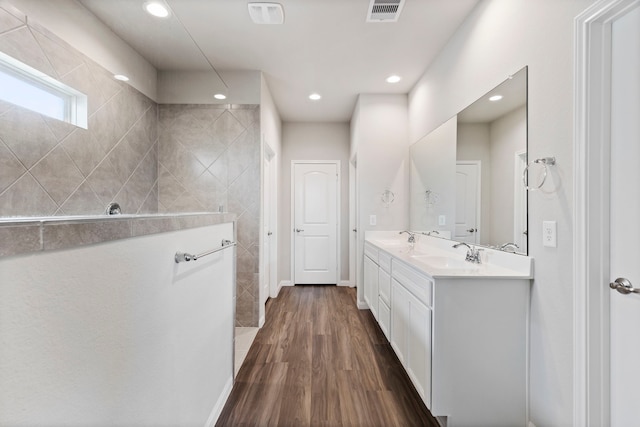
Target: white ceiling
[324,46]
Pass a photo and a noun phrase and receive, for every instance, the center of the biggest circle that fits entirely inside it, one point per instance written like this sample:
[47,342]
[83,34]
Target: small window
[27,87]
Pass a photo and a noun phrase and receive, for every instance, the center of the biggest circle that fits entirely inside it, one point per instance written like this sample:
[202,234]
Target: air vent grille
[266,13]
[384,10]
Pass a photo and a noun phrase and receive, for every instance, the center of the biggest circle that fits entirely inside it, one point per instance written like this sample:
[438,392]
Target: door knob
[472,230]
[269,233]
[624,286]
[298,230]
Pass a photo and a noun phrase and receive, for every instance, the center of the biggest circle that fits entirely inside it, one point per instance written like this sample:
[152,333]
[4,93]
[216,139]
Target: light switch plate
[549,234]
[442,220]
[373,220]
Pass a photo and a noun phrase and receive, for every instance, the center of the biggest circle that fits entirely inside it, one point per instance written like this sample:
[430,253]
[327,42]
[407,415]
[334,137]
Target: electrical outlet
[373,220]
[549,234]
[442,220]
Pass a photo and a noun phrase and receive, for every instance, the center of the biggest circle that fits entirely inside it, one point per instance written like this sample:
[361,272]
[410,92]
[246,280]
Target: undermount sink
[442,262]
[392,242]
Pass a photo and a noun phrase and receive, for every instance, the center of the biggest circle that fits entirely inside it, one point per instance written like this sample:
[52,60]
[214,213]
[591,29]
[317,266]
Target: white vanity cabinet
[411,316]
[371,278]
[461,335]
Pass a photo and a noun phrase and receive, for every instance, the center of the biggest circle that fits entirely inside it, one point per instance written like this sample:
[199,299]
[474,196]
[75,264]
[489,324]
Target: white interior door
[467,202]
[625,219]
[315,224]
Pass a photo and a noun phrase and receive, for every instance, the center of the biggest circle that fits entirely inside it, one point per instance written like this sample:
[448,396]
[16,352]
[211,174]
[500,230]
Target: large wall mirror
[466,176]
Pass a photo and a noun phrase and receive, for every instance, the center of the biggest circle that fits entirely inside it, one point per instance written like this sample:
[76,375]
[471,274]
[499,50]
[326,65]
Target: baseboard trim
[261,321]
[363,305]
[347,283]
[284,283]
[219,406]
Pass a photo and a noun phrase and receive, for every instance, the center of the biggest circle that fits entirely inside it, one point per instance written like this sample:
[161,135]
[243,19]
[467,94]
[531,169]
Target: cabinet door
[371,285]
[384,285]
[418,363]
[399,320]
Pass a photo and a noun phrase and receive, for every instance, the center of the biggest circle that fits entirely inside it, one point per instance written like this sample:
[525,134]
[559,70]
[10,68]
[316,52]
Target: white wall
[271,131]
[117,333]
[380,144]
[498,39]
[81,29]
[313,141]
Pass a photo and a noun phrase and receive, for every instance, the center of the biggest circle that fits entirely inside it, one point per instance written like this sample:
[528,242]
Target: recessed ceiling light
[315,96]
[393,79]
[495,98]
[156,9]
[220,96]
[121,77]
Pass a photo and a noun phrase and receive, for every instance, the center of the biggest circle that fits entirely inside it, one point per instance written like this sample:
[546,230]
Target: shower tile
[60,236]
[147,226]
[180,162]
[21,45]
[83,201]
[242,154]
[244,309]
[5,107]
[26,134]
[58,175]
[10,168]
[26,195]
[186,202]
[59,128]
[103,79]
[80,79]
[123,159]
[150,204]
[248,231]
[169,189]
[105,182]
[8,21]
[84,150]
[246,263]
[61,58]
[246,189]
[226,129]
[19,239]
[220,168]
[207,189]
[247,116]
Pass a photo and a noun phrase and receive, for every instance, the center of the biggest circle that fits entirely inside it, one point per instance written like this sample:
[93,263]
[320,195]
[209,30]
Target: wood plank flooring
[319,361]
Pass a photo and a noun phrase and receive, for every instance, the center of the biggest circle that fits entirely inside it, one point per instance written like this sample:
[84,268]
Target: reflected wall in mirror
[466,176]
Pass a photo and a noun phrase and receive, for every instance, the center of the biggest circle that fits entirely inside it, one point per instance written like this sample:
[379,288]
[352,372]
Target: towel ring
[387,198]
[544,161]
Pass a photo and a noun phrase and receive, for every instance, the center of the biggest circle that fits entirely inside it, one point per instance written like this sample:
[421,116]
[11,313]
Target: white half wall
[498,39]
[313,141]
[117,333]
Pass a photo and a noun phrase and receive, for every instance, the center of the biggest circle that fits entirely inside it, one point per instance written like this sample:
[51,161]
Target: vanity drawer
[419,285]
[371,251]
[384,261]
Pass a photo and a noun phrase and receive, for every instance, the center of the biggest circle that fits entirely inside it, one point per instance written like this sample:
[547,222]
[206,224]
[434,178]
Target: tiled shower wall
[209,159]
[206,157]
[49,167]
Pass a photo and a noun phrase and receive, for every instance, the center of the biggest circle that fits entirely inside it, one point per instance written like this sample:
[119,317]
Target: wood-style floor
[319,361]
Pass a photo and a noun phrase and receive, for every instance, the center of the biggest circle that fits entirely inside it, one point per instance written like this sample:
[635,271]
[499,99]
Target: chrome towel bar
[185,257]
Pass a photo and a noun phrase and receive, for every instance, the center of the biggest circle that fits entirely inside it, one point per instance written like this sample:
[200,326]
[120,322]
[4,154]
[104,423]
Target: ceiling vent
[384,10]
[266,13]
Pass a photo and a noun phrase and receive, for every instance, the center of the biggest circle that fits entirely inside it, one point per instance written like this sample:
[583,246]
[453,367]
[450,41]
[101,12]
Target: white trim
[219,406]
[348,283]
[592,32]
[520,194]
[284,283]
[338,211]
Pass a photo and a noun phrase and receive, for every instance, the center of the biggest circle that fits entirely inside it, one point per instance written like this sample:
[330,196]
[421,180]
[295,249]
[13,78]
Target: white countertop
[437,258]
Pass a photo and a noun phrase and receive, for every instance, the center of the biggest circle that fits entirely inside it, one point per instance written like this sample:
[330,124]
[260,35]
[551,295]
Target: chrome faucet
[412,236]
[473,254]
[429,233]
[511,246]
